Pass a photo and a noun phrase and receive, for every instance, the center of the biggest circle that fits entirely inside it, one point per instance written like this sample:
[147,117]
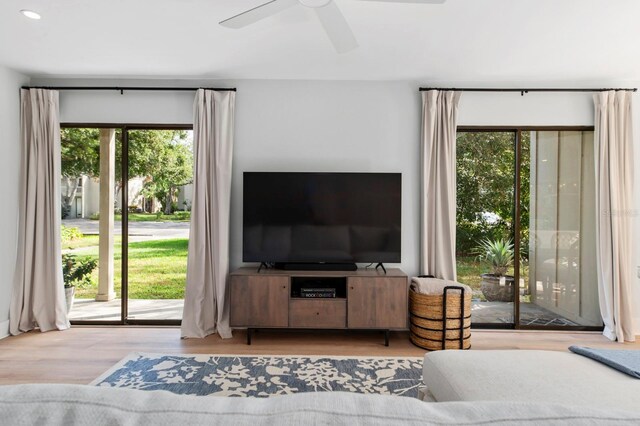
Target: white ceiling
[571,41]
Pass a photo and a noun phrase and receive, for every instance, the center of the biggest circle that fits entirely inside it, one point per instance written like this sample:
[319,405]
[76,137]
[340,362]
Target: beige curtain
[438,179]
[614,204]
[38,291]
[206,304]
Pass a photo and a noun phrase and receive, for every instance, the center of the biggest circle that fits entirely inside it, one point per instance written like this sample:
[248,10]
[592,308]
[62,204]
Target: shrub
[76,271]
[68,233]
[499,253]
[95,216]
[182,215]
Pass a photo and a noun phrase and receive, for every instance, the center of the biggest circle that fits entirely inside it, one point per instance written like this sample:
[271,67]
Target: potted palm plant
[75,272]
[497,286]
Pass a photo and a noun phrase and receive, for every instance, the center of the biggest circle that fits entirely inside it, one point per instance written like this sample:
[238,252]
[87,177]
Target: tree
[485,187]
[172,168]
[162,157]
[80,156]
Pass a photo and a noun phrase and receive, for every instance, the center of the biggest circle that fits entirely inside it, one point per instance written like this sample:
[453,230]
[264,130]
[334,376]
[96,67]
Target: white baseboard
[4,329]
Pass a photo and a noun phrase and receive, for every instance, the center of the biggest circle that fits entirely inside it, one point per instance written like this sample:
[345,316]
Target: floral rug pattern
[263,376]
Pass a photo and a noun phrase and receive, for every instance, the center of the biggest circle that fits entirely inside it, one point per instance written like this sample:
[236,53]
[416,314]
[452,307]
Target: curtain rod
[523,91]
[136,88]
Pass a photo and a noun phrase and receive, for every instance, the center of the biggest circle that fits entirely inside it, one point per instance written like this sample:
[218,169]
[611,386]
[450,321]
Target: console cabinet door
[377,302]
[259,301]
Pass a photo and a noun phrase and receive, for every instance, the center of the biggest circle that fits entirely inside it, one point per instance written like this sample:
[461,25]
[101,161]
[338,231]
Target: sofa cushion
[89,405]
[522,375]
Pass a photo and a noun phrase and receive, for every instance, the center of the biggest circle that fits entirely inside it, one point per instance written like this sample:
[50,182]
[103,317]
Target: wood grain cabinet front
[377,302]
[318,313]
[259,301]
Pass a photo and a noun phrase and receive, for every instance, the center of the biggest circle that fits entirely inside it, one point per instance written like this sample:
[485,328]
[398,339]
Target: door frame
[517,130]
[124,164]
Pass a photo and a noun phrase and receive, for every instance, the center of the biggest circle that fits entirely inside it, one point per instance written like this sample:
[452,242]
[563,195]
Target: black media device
[317,221]
[323,293]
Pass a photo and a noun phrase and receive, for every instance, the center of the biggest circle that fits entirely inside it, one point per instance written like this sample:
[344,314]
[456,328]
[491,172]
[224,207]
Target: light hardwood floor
[81,354]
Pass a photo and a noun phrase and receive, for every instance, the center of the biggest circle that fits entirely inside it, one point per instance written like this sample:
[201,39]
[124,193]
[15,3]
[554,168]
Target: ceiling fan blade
[410,1]
[257,13]
[336,27]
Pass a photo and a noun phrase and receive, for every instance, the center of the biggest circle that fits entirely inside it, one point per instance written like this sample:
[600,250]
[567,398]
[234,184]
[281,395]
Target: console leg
[386,337]
[249,330]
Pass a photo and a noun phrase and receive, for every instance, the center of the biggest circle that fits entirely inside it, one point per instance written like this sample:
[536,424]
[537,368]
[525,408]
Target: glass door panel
[485,227]
[91,249]
[557,238]
[160,166]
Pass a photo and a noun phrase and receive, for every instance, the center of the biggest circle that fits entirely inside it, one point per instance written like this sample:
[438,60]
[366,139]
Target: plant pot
[69,294]
[493,291]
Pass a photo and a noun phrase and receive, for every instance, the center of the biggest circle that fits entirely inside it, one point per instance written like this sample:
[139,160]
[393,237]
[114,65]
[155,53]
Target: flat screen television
[321,218]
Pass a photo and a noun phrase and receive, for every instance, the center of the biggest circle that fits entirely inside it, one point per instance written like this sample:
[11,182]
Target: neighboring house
[86,202]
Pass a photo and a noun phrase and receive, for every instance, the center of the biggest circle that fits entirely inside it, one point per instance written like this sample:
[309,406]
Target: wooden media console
[364,299]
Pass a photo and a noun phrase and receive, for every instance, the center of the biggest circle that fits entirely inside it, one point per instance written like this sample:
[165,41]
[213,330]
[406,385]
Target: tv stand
[316,266]
[365,299]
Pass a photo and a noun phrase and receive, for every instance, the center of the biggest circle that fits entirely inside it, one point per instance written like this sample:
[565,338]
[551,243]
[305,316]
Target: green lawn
[469,271]
[157,269]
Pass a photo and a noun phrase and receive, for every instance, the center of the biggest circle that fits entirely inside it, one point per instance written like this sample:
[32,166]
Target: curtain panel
[438,180]
[38,292]
[614,203]
[206,305]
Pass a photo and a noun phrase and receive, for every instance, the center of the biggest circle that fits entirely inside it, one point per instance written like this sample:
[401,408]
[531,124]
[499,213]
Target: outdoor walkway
[502,313]
[90,310]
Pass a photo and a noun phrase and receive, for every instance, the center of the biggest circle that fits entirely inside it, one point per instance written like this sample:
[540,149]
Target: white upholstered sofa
[528,376]
[88,405]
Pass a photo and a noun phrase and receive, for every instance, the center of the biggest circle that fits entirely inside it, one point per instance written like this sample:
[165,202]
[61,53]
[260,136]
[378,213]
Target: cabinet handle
[284,286]
[351,287]
[317,313]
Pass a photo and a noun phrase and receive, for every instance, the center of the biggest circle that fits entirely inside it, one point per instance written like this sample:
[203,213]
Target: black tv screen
[321,217]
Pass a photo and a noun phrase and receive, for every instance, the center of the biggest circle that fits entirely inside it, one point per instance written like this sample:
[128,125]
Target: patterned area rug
[263,376]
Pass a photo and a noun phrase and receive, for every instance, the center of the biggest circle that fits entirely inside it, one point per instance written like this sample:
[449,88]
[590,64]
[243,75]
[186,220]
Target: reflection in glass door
[557,230]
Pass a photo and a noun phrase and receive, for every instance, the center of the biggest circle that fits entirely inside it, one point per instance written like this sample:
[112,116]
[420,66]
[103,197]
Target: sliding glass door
[526,227]
[126,201]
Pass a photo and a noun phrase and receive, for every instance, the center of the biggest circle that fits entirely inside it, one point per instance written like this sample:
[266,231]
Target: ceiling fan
[330,16]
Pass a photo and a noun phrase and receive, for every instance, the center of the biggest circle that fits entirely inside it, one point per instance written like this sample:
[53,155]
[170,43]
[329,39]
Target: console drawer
[318,313]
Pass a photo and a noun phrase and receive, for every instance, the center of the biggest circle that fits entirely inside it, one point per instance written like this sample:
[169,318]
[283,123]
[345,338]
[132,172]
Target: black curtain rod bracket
[136,88]
[524,91]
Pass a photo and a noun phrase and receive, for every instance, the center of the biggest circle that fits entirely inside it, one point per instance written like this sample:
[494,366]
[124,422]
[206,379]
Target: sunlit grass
[157,268]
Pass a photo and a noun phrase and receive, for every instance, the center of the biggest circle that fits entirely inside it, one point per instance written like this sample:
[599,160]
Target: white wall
[10,83]
[333,126]
[291,126]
